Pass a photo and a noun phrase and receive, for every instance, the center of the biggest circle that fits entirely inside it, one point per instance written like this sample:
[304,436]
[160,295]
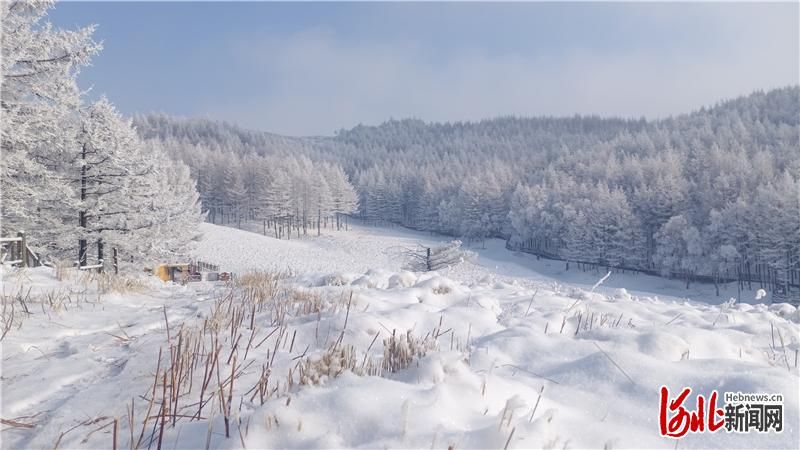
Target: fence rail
[202,266]
[16,247]
[99,266]
[788,290]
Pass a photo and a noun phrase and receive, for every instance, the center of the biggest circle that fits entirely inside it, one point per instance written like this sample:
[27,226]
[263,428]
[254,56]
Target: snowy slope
[362,248]
[498,331]
[355,250]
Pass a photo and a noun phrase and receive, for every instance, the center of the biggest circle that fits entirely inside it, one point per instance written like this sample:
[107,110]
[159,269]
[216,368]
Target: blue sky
[313,68]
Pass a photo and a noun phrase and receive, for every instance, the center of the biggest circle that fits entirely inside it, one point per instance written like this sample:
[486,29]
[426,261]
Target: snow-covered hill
[505,351]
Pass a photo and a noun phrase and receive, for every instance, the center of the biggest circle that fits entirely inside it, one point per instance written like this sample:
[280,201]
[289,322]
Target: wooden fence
[756,274]
[15,251]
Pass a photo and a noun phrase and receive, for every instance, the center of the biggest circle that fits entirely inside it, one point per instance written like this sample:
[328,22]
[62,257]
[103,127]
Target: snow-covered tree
[234,193]
[535,181]
[108,170]
[174,212]
[39,103]
[679,248]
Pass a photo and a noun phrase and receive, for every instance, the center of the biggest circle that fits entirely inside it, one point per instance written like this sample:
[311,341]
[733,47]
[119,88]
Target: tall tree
[39,102]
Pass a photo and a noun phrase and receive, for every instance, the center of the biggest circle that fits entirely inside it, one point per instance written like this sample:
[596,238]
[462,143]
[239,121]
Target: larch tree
[534,176]
[174,214]
[39,100]
[234,192]
[110,174]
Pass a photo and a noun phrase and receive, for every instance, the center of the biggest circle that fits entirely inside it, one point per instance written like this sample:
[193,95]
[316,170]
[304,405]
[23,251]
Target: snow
[363,248]
[507,327]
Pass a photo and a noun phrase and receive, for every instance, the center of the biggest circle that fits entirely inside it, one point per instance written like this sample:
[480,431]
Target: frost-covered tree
[39,103]
[679,248]
[174,211]
[534,181]
[234,193]
[108,170]
[344,198]
[72,175]
[776,207]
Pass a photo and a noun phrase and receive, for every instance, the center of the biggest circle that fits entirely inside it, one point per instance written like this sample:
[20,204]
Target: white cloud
[315,83]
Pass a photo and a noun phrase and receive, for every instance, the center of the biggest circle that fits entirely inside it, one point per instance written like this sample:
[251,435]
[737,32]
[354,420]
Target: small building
[178,272]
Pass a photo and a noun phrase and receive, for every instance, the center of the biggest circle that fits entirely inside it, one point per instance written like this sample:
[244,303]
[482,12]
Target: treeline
[75,175]
[713,194]
[282,191]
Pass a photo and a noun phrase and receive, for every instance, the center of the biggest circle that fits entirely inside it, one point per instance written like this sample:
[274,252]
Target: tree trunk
[749,283]
[82,214]
[100,255]
[716,283]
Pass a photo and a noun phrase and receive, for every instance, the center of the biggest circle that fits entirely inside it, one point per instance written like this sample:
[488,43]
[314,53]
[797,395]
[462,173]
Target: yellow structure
[172,272]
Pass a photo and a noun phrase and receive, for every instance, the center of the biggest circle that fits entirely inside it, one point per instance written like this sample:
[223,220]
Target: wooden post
[23,248]
[115,260]
[428,258]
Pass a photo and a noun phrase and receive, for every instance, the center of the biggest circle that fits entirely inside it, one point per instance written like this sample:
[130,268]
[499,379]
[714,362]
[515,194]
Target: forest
[711,195]
[75,174]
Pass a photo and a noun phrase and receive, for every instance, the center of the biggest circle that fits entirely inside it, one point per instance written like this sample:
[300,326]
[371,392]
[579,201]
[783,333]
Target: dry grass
[587,320]
[19,305]
[228,360]
[109,283]
[334,362]
[442,290]
[307,302]
[63,269]
[335,280]
[198,371]
[11,316]
[259,286]
[400,351]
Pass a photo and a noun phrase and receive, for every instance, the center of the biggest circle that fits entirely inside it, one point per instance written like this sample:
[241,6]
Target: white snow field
[502,352]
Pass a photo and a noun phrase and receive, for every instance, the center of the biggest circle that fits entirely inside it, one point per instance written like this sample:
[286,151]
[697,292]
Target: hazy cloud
[316,83]
[312,68]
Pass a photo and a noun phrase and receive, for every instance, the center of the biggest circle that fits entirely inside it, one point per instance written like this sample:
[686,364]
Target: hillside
[346,350]
[709,196]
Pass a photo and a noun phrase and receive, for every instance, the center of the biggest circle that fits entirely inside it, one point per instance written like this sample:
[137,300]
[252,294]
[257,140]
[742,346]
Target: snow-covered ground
[362,248]
[517,353]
